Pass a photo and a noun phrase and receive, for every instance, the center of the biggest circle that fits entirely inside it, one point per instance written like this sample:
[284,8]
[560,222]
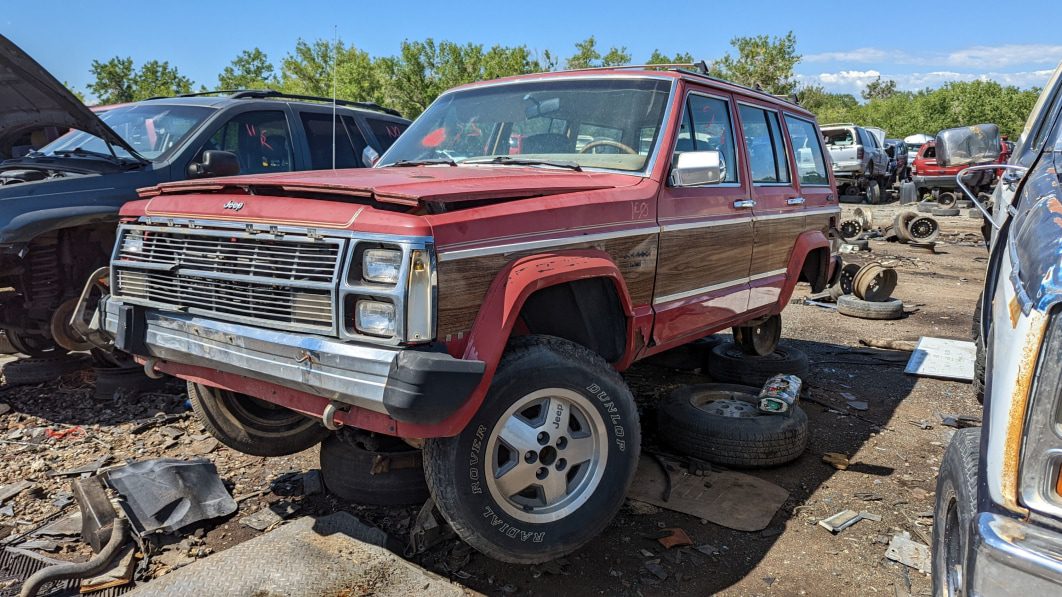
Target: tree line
[411,79]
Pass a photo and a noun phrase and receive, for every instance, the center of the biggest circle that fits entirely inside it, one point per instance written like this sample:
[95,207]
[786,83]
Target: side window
[386,131]
[706,126]
[810,162]
[259,139]
[763,141]
[319,131]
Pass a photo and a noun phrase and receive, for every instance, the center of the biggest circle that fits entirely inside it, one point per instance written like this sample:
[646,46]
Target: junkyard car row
[478,290]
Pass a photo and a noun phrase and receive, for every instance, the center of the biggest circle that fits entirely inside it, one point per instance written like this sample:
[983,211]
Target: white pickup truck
[860,160]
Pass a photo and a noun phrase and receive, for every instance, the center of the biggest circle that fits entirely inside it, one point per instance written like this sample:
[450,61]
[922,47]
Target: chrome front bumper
[408,385]
[1011,557]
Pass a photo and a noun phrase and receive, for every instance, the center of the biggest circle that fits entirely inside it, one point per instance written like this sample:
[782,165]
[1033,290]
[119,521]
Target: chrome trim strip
[540,244]
[514,237]
[712,288]
[781,216]
[704,224]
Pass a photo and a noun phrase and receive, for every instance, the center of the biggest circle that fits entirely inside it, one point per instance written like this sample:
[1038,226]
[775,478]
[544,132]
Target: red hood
[411,186]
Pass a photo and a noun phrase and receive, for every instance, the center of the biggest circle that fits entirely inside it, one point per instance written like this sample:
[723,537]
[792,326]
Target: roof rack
[669,66]
[838,124]
[701,70]
[272,93]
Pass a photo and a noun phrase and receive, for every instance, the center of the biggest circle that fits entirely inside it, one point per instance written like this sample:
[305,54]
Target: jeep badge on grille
[233,205]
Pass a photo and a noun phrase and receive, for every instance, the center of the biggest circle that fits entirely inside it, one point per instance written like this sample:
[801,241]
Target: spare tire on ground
[722,423]
[728,363]
[951,211]
[35,370]
[390,475]
[854,307]
[926,206]
[129,380]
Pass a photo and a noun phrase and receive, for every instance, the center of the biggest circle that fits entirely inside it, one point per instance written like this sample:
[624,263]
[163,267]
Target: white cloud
[988,57]
[853,81]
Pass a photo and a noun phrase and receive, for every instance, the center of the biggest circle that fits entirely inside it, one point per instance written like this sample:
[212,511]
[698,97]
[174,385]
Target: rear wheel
[546,461]
[252,426]
[760,339]
[873,192]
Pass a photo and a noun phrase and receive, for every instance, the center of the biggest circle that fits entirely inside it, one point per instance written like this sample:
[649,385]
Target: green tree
[113,83]
[762,62]
[251,69]
[308,71]
[587,56]
[159,79]
[878,89]
[80,96]
[658,57]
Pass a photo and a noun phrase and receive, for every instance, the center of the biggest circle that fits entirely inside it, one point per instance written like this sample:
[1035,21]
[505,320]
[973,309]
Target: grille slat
[287,282]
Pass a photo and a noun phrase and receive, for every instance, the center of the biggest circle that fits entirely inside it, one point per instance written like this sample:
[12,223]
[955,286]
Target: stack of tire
[944,203]
[866,292]
[853,230]
[721,422]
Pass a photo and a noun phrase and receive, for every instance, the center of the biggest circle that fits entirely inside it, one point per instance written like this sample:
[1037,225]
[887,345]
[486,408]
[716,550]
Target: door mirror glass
[968,145]
[215,163]
[694,168]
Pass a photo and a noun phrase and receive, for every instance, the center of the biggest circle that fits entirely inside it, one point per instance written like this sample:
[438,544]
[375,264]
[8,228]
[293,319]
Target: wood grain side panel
[699,257]
[463,283]
[774,243]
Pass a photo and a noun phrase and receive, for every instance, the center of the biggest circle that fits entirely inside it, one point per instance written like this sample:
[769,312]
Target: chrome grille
[280,281]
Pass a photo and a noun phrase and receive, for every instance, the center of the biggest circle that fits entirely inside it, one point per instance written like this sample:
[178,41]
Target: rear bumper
[407,385]
[944,181]
[1011,557]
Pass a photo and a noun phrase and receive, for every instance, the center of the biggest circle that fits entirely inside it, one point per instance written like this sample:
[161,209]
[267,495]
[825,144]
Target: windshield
[608,123]
[151,129]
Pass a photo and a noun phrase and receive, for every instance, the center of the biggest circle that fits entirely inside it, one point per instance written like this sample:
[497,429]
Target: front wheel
[760,339]
[954,511]
[545,463]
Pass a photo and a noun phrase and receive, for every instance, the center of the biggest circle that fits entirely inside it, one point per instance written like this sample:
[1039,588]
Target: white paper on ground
[943,358]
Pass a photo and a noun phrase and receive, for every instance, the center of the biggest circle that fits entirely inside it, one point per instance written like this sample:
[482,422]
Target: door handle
[744,204]
[794,201]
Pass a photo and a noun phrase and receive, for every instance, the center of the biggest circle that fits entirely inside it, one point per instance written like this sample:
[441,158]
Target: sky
[844,44]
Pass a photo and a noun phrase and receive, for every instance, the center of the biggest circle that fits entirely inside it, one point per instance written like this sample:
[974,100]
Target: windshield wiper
[427,162]
[506,160]
[110,157]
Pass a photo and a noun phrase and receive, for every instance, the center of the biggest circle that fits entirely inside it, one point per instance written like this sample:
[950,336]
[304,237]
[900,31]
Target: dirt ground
[895,447]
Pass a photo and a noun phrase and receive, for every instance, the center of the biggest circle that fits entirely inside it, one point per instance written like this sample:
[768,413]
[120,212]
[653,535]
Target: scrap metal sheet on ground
[306,558]
[942,358]
[727,498]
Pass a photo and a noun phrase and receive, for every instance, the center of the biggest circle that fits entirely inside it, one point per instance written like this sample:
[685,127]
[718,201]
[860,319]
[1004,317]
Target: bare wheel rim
[547,454]
[952,550]
[724,404]
[265,417]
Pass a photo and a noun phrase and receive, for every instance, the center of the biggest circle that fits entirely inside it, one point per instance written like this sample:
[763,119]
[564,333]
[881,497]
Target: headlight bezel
[1041,451]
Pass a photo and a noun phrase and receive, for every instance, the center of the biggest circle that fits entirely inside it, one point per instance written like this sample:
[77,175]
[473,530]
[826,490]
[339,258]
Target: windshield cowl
[593,123]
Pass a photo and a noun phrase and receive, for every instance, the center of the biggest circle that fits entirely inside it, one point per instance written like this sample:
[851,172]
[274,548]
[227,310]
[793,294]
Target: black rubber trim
[428,387]
[131,336]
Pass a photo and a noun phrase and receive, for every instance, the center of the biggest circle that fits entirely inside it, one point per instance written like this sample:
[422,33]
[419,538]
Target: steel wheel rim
[546,455]
[729,407]
[266,417]
[952,550]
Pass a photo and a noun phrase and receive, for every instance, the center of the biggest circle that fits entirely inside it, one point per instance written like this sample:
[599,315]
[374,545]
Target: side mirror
[968,145]
[890,150]
[695,168]
[215,163]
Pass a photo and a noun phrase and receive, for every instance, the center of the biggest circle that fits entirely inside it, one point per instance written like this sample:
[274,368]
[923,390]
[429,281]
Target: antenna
[335,60]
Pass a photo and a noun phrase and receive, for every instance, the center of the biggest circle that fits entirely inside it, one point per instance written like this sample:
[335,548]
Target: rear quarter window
[807,150]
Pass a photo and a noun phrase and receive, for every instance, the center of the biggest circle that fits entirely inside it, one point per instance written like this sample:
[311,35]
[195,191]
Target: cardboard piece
[942,358]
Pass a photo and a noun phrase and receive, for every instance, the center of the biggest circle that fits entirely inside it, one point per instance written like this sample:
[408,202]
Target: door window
[763,142]
[259,139]
[319,134]
[811,165]
[386,131]
[706,126]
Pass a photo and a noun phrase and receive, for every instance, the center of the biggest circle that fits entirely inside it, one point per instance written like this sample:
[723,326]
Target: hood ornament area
[233,205]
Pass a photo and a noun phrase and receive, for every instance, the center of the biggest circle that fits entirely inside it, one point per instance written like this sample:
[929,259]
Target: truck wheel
[760,339]
[854,307]
[730,364]
[546,461]
[33,345]
[722,423]
[873,192]
[900,223]
[252,426]
[390,476]
[954,511]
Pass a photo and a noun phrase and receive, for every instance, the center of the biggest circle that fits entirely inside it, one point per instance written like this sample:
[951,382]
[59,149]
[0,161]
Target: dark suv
[59,204]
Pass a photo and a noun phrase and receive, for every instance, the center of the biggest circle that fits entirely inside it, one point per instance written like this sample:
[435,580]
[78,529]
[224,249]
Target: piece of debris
[269,516]
[727,498]
[844,519]
[921,424]
[311,482]
[909,553]
[89,468]
[836,460]
[959,421]
[858,405]
[676,538]
[643,508]
[40,545]
[428,531]
[143,425]
[168,494]
[203,447]
[67,526]
[120,573]
[942,358]
[903,345]
[646,553]
[779,393]
[708,550]
[867,496]
[171,432]
[12,489]
[656,569]
[4,408]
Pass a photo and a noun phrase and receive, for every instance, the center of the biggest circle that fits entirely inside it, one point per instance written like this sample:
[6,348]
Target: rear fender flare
[805,243]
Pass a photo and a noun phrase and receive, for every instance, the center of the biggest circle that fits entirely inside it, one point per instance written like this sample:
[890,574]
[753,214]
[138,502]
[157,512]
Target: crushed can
[779,393]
